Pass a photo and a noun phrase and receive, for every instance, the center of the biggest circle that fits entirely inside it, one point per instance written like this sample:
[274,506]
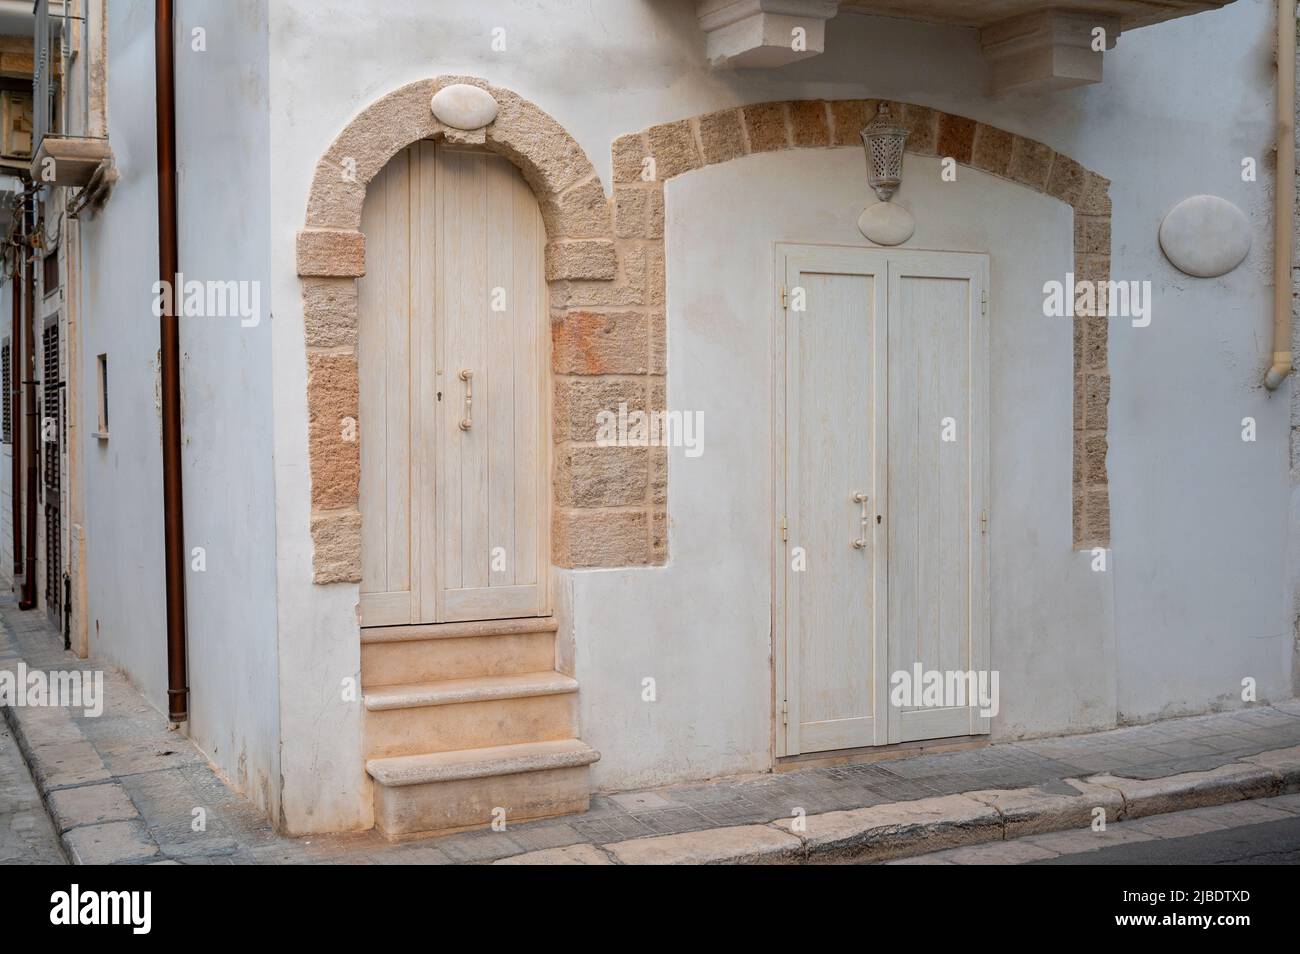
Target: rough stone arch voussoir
[683,145]
[609,502]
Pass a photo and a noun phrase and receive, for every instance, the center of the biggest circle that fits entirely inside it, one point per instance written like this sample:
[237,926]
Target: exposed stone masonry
[605,270]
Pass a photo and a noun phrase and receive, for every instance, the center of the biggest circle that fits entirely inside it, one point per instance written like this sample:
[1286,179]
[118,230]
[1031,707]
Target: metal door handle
[468,377]
[861,543]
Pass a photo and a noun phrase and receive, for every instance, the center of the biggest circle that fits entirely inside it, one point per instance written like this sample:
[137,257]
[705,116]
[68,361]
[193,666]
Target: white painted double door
[882,413]
[452,355]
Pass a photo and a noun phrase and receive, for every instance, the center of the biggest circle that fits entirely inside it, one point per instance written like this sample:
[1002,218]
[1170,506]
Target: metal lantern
[884,140]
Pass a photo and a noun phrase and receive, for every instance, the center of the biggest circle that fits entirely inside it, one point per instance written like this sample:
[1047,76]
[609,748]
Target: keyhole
[439,395]
[877,518]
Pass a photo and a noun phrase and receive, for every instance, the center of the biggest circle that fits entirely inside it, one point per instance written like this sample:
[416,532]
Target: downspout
[1284,208]
[169,361]
[32,417]
[14,397]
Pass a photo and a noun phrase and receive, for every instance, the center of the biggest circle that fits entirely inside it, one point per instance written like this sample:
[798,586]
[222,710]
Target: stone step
[481,627]
[474,713]
[395,655]
[438,792]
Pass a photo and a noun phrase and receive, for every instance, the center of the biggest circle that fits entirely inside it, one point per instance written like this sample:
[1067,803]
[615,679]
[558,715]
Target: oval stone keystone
[463,106]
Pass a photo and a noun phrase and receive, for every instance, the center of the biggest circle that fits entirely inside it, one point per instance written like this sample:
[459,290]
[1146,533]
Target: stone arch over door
[687,144]
[605,271]
[609,503]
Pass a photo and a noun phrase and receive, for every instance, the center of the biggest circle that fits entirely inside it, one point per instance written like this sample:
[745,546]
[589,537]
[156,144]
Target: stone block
[329,312]
[1031,163]
[956,137]
[122,842]
[588,477]
[673,147]
[331,253]
[722,136]
[336,542]
[808,124]
[765,127]
[578,404]
[332,428]
[91,805]
[1228,783]
[583,259]
[600,538]
[900,828]
[586,342]
[991,150]
[743,844]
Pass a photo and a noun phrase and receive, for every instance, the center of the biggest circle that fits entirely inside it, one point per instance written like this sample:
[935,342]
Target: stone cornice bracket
[761,34]
[1045,51]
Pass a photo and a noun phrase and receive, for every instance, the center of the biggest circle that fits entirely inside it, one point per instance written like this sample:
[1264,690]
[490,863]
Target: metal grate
[6,387]
[52,420]
[52,424]
[53,562]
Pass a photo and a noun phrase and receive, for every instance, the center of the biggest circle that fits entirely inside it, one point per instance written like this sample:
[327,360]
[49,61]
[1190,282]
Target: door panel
[492,475]
[888,346]
[832,383]
[454,520]
[384,341]
[935,500]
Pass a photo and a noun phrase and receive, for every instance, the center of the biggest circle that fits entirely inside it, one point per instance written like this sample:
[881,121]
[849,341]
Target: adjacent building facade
[572,399]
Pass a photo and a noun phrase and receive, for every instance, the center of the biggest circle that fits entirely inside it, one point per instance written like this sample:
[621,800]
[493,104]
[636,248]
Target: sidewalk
[122,789]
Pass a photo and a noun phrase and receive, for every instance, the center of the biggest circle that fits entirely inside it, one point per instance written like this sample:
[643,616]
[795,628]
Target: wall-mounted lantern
[884,140]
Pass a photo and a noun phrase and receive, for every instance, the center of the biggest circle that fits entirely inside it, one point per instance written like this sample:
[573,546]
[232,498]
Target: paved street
[127,790]
[1270,843]
[1262,831]
[26,834]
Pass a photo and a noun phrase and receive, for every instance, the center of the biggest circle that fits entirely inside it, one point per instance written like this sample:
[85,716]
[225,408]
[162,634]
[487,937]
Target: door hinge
[785,712]
[785,299]
[984,303]
[784,531]
[984,521]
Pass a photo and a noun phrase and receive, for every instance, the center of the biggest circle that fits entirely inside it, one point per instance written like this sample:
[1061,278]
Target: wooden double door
[452,352]
[882,488]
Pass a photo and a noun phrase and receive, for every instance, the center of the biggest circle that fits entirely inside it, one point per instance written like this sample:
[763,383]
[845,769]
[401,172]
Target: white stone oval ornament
[1205,236]
[462,106]
[886,223]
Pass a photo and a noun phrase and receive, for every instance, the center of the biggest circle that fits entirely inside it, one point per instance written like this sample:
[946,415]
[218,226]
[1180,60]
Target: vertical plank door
[938,488]
[831,575]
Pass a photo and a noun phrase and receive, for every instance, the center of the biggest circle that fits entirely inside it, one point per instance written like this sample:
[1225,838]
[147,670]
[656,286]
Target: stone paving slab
[26,834]
[125,789]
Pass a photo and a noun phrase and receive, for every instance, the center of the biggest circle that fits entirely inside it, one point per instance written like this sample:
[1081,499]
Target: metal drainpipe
[1284,208]
[14,397]
[32,417]
[169,359]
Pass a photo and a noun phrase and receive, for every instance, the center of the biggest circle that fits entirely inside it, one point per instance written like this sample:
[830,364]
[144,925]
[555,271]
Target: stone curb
[97,822]
[922,826]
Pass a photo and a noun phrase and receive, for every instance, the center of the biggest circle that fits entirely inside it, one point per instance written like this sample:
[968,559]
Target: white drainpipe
[1285,204]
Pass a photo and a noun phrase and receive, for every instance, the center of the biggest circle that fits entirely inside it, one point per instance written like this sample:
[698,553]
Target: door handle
[468,377]
[861,543]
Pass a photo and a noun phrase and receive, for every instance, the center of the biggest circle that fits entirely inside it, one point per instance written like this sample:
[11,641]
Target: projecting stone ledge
[1049,50]
[764,33]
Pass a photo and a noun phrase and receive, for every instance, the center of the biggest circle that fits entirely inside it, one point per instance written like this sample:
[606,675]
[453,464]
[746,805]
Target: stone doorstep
[907,829]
